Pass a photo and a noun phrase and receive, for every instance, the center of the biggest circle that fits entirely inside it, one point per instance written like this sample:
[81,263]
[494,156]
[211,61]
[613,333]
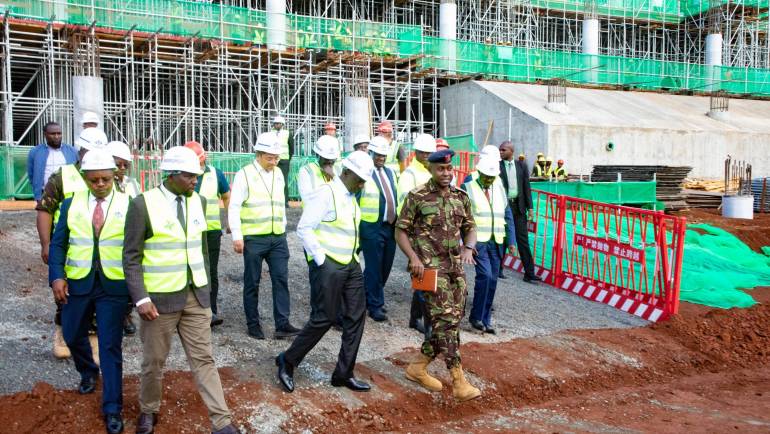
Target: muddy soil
[755,233]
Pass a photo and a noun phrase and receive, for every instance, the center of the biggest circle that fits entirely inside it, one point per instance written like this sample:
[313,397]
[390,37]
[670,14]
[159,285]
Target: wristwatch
[470,247]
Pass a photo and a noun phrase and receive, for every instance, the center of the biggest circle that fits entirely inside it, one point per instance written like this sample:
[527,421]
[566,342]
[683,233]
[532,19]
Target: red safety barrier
[628,258]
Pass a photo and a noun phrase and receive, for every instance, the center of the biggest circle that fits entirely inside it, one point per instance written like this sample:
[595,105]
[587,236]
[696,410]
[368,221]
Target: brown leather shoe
[146,423]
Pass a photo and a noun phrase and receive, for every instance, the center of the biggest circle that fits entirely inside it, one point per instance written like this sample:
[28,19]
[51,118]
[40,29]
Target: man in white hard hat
[378,216]
[415,176]
[285,140]
[257,217]
[361,143]
[488,200]
[316,173]
[89,120]
[396,160]
[165,259]
[61,185]
[86,275]
[328,229]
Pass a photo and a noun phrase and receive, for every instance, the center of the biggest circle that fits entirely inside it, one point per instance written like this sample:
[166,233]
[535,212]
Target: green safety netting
[13,172]
[636,193]
[241,25]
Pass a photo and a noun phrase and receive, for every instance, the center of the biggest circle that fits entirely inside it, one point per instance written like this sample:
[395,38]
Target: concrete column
[276,24]
[713,58]
[590,46]
[87,96]
[357,119]
[447,31]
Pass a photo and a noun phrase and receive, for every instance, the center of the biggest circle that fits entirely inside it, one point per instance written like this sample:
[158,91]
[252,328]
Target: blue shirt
[36,160]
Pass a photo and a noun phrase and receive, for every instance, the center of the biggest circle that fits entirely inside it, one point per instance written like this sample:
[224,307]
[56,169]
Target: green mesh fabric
[636,193]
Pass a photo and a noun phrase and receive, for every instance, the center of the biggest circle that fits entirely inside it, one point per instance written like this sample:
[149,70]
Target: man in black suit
[520,203]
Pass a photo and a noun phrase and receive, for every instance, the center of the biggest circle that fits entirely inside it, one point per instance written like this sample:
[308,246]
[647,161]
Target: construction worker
[378,217]
[46,158]
[489,202]
[213,186]
[548,165]
[328,229]
[257,216]
[396,160]
[123,159]
[415,176]
[86,275]
[361,143]
[166,273]
[285,141]
[331,130]
[559,172]
[61,185]
[435,218]
[89,120]
[522,157]
[315,173]
[441,144]
[539,170]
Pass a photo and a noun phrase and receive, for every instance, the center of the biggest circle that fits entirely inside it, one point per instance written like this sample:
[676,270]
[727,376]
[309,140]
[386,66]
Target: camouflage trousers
[447,308]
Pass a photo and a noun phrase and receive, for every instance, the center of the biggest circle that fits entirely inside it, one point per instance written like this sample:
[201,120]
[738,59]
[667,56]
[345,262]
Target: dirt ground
[705,370]
[755,233]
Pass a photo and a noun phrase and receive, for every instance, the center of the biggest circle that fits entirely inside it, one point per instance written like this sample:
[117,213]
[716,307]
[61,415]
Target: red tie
[390,214]
[486,193]
[98,218]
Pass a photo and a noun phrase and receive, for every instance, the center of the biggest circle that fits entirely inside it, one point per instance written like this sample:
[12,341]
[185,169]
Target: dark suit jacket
[370,230]
[138,229]
[58,255]
[523,201]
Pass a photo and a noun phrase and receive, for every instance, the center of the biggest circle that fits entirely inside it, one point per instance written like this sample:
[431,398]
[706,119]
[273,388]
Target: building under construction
[160,72]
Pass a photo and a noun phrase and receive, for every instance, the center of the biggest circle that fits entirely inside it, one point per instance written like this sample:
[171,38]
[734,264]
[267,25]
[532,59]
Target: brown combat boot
[60,348]
[461,389]
[417,371]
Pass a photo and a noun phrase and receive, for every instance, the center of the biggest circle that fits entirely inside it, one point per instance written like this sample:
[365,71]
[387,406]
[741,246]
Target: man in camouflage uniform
[434,218]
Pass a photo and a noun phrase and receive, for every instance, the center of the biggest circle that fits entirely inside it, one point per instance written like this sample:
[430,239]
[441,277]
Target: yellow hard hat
[549,159]
[540,158]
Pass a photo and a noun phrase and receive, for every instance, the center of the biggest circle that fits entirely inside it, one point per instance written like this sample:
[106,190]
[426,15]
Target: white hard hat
[361,164]
[91,138]
[379,145]
[97,159]
[425,143]
[268,143]
[120,150]
[327,147]
[491,152]
[361,138]
[488,166]
[89,117]
[182,159]
[278,119]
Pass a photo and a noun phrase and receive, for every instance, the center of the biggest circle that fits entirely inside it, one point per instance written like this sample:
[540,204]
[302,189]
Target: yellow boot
[60,348]
[461,389]
[94,341]
[417,371]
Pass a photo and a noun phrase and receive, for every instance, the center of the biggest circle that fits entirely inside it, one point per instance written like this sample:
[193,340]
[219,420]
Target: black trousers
[333,284]
[274,250]
[284,166]
[214,239]
[522,241]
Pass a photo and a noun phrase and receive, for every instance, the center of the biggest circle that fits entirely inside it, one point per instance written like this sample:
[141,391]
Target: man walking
[434,219]
[315,173]
[517,190]
[257,216]
[86,275]
[46,158]
[213,186]
[396,160]
[165,262]
[378,216]
[285,142]
[329,232]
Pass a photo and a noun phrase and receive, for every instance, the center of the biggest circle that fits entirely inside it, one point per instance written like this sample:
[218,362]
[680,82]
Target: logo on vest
[119,215]
[169,225]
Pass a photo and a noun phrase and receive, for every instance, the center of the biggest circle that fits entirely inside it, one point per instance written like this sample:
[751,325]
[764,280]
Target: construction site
[654,251]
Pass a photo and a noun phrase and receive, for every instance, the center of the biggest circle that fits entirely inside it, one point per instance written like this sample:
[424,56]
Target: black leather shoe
[286,331]
[532,279]
[490,330]
[384,309]
[417,325]
[215,320]
[501,275]
[146,423]
[87,385]
[113,423]
[257,333]
[128,326]
[285,373]
[478,325]
[351,383]
[378,315]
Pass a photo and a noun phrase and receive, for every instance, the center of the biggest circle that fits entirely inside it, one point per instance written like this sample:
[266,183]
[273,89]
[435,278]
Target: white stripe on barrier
[517,263]
[544,275]
[656,313]
[567,283]
[627,305]
[589,292]
[641,309]
[614,300]
[577,287]
[601,296]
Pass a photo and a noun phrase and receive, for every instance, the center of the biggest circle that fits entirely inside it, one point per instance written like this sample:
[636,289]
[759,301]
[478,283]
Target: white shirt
[239,192]
[105,204]
[305,183]
[54,161]
[320,207]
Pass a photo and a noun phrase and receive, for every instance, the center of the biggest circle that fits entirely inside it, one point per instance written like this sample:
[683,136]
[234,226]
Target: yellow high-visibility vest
[210,190]
[132,188]
[72,182]
[339,237]
[489,215]
[316,176]
[263,213]
[414,176]
[283,141]
[391,161]
[170,251]
[80,252]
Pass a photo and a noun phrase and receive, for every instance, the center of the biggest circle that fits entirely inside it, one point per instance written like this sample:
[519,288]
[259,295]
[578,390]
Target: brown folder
[429,281]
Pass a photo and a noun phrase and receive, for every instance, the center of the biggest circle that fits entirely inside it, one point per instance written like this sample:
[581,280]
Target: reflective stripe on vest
[283,141]
[263,213]
[370,202]
[339,237]
[72,182]
[489,217]
[80,252]
[414,176]
[538,170]
[170,250]
[210,191]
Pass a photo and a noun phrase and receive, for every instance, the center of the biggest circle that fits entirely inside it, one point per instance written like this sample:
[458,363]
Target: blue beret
[442,156]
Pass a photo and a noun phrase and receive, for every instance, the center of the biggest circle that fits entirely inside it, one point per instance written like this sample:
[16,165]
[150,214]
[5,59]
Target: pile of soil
[755,233]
